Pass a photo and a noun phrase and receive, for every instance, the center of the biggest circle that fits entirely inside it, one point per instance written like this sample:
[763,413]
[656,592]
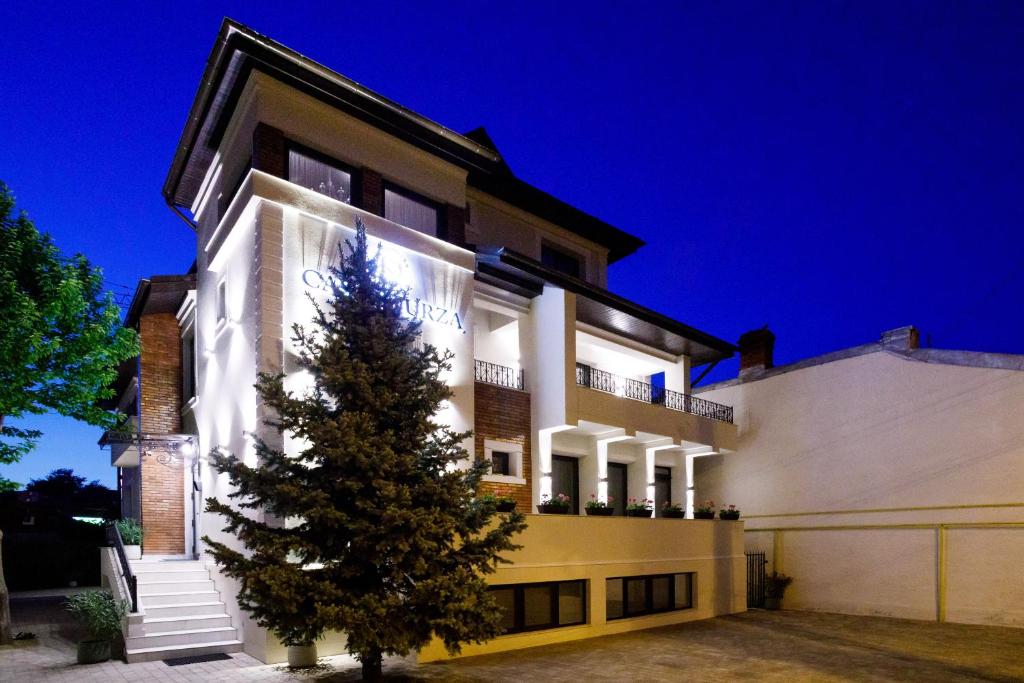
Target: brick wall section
[371,192]
[504,415]
[269,152]
[454,228]
[162,493]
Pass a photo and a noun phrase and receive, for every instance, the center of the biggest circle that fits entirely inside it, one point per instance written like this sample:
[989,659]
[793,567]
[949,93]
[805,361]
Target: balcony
[498,375]
[636,390]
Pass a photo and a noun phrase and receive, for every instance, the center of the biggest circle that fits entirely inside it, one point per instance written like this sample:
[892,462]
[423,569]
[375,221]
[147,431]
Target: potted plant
[302,655]
[131,537]
[559,505]
[732,512]
[501,499]
[599,508]
[673,511]
[101,615]
[639,508]
[774,588]
[705,510]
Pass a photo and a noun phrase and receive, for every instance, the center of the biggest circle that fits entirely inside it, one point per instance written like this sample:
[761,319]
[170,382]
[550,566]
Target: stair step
[193,586]
[178,598]
[183,609]
[184,623]
[192,636]
[167,565]
[150,654]
[156,576]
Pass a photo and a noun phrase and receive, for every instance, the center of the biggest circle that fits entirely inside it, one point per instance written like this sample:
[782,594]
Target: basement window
[636,596]
[538,606]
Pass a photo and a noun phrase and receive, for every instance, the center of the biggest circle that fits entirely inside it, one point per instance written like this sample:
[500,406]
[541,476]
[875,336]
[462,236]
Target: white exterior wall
[883,485]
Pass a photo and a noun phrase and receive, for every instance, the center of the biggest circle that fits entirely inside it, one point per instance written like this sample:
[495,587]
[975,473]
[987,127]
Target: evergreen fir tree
[385,539]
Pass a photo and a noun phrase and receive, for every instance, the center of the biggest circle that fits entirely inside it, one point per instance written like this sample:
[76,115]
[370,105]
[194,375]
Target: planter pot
[93,651]
[600,512]
[733,516]
[772,603]
[506,507]
[552,510]
[639,513]
[673,514]
[301,656]
[133,552]
[703,515]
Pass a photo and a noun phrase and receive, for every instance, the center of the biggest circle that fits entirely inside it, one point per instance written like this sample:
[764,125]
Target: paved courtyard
[761,646]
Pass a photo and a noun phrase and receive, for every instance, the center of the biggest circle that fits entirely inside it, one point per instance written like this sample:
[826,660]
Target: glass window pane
[506,599]
[636,595]
[499,463]
[537,606]
[320,177]
[684,591]
[660,595]
[409,212]
[613,606]
[570,603]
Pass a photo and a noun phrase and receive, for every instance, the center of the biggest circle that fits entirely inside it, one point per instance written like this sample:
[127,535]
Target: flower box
[729,514]
[600,512]
[639,513]
[703,515]
[506,506]
[549,509]
[674,514]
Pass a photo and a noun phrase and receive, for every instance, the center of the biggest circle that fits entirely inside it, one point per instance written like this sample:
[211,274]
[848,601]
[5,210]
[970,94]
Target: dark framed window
[501,463]
[410,209]
[188,366]
[222,301]
[634,596]
[538,606]
[320,173]
[561,260]
[565,478]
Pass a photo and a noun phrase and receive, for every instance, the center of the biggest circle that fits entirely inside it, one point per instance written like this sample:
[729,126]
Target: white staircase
[183,615]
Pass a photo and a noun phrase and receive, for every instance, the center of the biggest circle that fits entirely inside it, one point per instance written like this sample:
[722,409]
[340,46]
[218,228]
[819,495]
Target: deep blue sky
[830,169]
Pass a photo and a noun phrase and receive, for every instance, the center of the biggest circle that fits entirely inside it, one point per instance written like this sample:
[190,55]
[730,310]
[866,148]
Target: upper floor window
[222,301]
[317,174]
[411,210]
[188,365]
[560,260]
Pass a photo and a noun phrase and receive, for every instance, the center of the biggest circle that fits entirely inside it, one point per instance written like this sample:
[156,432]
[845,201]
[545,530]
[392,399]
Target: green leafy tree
[61,341]
[61,338]
[384,538]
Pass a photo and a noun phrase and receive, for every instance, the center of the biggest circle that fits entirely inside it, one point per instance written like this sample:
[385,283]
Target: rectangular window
[537,606]
[188,365]
[411,210]
[222,301]
[634,596]
[500,463]
[315,173]
[560,260]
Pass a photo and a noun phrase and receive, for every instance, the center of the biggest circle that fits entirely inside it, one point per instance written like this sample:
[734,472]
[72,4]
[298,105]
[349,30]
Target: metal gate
[755,579]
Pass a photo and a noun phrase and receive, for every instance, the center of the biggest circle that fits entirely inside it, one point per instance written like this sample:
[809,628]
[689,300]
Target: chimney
[756,350]
[902,338]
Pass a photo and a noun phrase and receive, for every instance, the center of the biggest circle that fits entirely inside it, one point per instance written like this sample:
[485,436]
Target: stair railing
[132,583]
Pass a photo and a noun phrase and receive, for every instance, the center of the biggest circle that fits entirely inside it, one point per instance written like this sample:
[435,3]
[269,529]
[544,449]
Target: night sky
[829,169]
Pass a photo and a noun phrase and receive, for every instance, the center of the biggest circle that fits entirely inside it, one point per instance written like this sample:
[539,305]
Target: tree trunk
[5,606]
[372,666]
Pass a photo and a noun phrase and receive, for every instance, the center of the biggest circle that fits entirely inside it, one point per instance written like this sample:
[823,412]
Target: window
[222,301]
[633,596]
[317,173]
[536,606]
[506,460]
[188,365]
[411,210]
[560,260]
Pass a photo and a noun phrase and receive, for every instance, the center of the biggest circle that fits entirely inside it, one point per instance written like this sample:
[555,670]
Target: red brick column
[162,490]
[268,151]
[371,191]
[504,415]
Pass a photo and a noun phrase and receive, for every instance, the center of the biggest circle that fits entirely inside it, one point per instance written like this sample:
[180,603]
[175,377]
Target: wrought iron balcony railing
[593,378]
[499,375]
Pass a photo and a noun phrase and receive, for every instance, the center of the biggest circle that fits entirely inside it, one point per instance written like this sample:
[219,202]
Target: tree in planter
[61,341]
[386,541]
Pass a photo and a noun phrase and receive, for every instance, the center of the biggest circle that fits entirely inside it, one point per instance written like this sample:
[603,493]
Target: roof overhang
[601,309]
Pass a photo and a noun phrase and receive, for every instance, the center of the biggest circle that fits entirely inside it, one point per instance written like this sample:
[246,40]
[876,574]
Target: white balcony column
[541,468]
[690,493]
[677,376]
[650,453]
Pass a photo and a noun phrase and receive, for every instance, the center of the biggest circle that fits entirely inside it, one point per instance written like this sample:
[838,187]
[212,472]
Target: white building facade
[567,387]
